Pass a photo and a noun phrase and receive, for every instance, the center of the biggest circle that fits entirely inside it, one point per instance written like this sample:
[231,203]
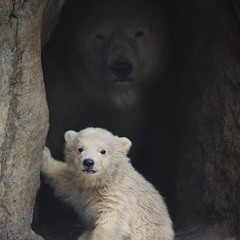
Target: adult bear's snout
[122,70]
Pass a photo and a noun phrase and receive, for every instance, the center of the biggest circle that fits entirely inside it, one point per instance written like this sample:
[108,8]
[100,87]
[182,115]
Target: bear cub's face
[93,151]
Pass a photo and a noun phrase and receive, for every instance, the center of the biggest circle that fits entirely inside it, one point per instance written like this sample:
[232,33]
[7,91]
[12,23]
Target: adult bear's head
[116,47]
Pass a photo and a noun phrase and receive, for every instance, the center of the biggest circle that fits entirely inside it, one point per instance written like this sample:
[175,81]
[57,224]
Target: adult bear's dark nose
[122,69]
[88,162]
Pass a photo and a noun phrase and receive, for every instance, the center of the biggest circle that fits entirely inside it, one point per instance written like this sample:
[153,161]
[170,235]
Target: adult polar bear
[117,45]
[100,66]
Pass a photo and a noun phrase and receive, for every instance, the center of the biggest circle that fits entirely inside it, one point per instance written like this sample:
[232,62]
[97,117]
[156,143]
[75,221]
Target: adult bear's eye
[80,150]
[99,36]
[139,34]
[103,152]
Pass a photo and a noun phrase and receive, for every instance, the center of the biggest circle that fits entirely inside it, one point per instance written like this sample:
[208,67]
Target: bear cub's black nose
[88,162]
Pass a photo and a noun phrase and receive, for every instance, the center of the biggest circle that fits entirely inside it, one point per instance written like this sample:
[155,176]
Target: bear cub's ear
[125,143]
[69,135]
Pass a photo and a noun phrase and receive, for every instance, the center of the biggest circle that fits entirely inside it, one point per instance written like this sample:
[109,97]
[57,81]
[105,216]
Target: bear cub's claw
[46,160]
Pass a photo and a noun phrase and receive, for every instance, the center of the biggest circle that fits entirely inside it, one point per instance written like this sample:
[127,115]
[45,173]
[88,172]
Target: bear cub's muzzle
[88,165]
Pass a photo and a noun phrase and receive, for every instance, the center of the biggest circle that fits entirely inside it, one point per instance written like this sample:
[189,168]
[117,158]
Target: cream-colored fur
[114,201]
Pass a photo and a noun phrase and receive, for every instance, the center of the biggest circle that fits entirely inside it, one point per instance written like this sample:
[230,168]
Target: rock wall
[23,111]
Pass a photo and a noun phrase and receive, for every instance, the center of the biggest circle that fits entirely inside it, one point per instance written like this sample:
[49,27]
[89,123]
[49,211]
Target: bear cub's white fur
[114,201]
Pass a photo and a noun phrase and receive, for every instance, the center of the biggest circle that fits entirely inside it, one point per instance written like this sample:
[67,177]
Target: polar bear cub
[114,201]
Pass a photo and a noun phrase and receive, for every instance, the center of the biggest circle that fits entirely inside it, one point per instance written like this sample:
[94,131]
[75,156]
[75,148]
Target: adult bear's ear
[69,135]
[125,144]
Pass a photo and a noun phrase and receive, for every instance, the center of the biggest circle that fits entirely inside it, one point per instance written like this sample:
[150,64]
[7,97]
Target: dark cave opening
[177,119]
[158,157]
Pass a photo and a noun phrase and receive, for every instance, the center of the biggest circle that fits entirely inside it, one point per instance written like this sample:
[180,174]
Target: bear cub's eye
[139,34]
[103,152]
[80,150]
[99,36]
